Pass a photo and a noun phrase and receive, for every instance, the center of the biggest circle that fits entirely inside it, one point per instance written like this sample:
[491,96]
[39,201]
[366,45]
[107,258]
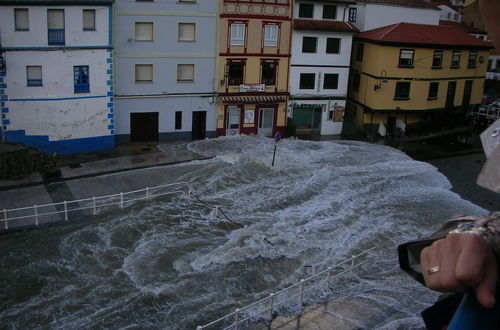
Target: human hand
[460,262]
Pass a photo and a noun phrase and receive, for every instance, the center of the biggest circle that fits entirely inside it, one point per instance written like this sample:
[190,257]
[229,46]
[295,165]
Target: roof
[445,3]
[323,25]
[54,2]
[403,3]
[424,35]
[463,27]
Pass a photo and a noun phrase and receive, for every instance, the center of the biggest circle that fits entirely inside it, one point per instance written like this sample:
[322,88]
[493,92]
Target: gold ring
[433,270]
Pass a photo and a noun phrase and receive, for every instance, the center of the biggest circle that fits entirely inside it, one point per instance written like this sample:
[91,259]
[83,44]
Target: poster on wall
[249,116]
[338,114]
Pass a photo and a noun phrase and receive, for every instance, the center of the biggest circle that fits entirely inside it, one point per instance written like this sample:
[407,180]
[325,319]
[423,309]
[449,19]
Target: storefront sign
[252,88]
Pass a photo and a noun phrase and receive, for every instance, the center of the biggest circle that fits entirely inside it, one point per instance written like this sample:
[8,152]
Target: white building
[165,70]
[319,73]
[56,80]
[372,14]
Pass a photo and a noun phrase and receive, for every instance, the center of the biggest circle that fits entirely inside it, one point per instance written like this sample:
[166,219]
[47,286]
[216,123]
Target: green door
[450,94]
[467,94]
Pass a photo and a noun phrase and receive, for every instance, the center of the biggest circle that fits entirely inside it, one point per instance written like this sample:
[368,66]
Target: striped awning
[253,99]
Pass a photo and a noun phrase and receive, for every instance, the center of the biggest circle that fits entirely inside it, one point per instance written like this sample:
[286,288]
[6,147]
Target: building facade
[254,60]
[319,73]
[56,75]
[165,70]
[411,76]
[372,14]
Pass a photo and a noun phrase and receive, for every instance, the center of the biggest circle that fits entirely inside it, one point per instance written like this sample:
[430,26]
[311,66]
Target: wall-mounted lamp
[382,79]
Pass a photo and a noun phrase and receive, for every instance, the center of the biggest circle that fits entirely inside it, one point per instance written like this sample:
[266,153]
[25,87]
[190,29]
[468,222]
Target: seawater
[168,263]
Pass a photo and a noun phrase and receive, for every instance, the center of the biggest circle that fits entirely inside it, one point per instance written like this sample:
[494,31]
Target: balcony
[34,82]
[82,88]
[56,37]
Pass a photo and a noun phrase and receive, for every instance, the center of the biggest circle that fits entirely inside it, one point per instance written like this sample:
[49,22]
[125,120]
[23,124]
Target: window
[306,10]
[185,72]
[235,73]
[307,80]
[55,23]
[359,52]
[186,32]
[356,79]
[309,44]
[144,73]
[402,91]
[329,12]
[406,58]
[353,12]
[331,81]
[237,37]
[471,63]
[433,90]
[455,60]
[88,20]
[437,60]
[268,73]
[143,31]
[332,45]
[81,77]
[34,76]
[270,35]
[21,19]
[178,120]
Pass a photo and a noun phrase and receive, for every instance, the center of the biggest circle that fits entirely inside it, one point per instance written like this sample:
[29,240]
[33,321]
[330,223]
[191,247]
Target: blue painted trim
[64,147]
[4,98]
[111,126]
[110,93]
[55,48]
[60,99]
[110,27]
[109,60]
[5,110]
[3,85]
[6,122]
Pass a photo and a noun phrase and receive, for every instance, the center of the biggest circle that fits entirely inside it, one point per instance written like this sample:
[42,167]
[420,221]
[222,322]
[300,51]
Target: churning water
[168,263]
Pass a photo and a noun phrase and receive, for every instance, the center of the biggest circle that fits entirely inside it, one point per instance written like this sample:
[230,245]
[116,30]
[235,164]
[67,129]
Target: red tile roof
[463,27]
[420,34]
[323,25]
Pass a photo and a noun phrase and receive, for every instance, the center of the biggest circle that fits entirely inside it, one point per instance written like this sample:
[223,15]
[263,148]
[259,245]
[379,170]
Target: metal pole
[271,305]
[65,211]
[147,192]
[274,155]
[121,200]
[36,215]
[5,218]
[237,318]
[301,290]
[94,211]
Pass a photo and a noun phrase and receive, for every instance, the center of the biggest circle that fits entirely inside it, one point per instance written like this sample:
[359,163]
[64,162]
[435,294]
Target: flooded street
[169,263]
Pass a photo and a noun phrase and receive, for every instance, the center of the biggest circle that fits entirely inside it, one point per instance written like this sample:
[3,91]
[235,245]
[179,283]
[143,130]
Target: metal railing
[36,214]
[255,311]
[56,37]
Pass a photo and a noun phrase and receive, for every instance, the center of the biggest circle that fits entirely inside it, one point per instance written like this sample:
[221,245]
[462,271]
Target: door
[144,127]
[233,120]
[199,125]
[450,94]
[266,117]
[467,94]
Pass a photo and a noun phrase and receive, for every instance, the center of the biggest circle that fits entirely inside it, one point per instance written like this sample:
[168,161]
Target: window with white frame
[88,20]
[144,73]
[185,72]
[186,32]
[237,34]
[21,19]
[143,31]
[406,58]
[34,75]
[270,35]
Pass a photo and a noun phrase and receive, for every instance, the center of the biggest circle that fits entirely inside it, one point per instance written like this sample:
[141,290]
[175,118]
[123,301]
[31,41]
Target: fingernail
[492,299]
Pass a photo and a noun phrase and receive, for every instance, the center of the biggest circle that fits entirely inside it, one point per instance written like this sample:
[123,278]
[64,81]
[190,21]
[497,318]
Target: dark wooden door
[144,126]
[199,127]
[450,94]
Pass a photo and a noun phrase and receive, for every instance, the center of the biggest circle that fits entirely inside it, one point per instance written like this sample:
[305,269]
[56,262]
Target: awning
[253,99]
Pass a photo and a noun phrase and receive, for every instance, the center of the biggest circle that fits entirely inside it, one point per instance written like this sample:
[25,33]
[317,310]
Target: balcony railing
[56,37]
[82,88]
[34,82]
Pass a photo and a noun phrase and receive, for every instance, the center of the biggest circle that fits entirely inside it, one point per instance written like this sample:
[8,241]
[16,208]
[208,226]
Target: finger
[485,291]
[471,262]
[450,251]
[431,257]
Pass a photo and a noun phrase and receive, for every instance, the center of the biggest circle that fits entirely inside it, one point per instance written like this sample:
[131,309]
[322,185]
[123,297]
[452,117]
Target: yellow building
[253,66]
[415,77]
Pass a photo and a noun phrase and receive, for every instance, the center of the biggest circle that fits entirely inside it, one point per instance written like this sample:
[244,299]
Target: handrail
[270,300]
[94,203]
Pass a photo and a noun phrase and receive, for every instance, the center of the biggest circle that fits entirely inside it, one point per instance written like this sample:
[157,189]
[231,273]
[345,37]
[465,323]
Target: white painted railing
[256,311]
[38,214]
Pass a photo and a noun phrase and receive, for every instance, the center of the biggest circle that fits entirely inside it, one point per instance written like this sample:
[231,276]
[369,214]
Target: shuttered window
[187,32]
[237,35]
[21,18]
[88,20]
[34,75]
[144,31]
[143,73]
[185,72]
[271,35]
